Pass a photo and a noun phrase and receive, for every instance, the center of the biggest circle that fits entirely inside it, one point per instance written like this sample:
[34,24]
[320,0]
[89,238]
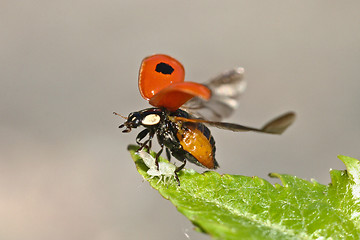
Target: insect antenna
[117,114]
[127,129]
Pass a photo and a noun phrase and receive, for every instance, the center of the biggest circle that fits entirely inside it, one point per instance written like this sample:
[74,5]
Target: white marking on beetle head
[151,119]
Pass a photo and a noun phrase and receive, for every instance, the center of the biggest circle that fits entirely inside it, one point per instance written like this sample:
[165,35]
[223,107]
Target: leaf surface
[241,207]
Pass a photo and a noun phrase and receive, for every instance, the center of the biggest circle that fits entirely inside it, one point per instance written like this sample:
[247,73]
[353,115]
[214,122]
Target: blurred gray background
[65,66]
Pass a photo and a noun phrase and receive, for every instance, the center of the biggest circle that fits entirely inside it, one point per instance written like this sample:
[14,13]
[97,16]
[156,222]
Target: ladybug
[183,110]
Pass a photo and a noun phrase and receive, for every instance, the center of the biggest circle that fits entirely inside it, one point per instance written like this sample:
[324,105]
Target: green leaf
[241,207]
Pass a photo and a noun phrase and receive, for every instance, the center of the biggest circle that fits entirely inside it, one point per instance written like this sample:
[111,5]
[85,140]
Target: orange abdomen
[194,141]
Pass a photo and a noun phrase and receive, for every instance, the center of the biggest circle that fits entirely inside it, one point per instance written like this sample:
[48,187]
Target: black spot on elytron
[164,68]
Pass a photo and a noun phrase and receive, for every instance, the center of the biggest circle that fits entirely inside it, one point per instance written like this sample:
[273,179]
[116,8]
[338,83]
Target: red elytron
[161,82]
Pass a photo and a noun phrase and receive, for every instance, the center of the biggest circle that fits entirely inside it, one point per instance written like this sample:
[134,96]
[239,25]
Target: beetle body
[190,141]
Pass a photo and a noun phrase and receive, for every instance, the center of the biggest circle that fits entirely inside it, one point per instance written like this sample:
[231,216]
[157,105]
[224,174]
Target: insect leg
[180,167]
[150,144]
[177,170]
[168,155]
[141,136]
[142,145]
[161,143]
[177,179]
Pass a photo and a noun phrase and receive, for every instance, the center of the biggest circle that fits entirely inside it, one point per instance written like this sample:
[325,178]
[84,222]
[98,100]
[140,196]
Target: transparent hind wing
[275,126]
[226,89]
